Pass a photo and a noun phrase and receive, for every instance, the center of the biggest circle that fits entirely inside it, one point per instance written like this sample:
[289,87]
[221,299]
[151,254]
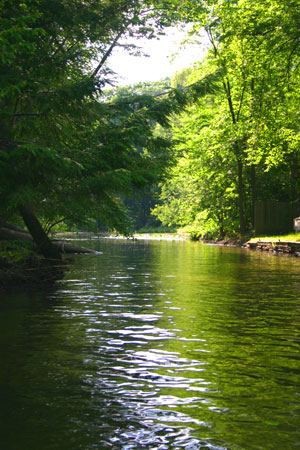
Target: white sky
[161,63]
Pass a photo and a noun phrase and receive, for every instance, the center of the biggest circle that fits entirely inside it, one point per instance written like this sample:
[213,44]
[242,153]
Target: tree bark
[241,197]
[65,247]
[10,226]
[11,232]
[253,193]
[44,244]
[7,234]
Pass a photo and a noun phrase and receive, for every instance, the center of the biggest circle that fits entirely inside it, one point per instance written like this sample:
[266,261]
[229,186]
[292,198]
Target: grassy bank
[291,237]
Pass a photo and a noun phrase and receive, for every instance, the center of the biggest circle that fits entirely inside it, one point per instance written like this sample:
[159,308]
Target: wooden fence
[273,217]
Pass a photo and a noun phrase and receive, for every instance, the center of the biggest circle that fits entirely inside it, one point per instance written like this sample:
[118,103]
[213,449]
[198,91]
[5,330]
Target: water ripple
[156,346]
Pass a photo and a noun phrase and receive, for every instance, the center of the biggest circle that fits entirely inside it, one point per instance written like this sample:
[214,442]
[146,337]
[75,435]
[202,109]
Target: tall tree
[64,151]
[254,126]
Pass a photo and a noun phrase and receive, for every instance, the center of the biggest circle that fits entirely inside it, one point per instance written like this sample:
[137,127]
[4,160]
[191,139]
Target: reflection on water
[155,345]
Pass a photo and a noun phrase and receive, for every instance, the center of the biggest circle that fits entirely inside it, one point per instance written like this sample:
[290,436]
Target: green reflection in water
[238,313]
[155,345]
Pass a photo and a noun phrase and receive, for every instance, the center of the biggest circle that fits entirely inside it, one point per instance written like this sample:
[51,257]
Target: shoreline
[271,245]
[35,272]
[31,273]
[276,247]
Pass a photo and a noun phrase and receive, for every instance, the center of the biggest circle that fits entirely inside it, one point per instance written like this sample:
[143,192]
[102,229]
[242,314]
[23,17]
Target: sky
[161,62]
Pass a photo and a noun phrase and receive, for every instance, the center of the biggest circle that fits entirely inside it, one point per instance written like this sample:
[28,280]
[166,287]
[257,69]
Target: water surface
[155,345]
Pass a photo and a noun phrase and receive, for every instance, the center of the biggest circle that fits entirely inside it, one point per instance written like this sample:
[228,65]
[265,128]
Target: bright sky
[161,63]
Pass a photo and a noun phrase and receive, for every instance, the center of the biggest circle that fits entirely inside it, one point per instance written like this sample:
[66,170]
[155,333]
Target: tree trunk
[39,236]
[65,247]
[253,194]
[7,234]
[12,232]
[241,197]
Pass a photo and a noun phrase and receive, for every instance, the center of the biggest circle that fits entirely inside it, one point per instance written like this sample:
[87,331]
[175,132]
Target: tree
[249,149]
[64,151]
[201,189]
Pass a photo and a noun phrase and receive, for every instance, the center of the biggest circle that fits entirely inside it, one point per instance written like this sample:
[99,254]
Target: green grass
[292,237]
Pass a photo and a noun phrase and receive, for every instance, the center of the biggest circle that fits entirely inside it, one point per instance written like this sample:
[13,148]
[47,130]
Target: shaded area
[31,272]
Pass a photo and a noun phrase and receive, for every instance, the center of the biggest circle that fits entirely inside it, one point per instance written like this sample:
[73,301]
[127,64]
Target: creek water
[155,345]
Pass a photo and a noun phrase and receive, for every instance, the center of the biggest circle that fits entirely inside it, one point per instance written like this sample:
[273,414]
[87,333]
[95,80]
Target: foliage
[66,148]
[239,143]
[73,150]
[15,251]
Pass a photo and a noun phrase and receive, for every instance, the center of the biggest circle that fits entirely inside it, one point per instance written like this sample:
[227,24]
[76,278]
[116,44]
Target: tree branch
[108,52]
[229,99]
[49,228]
[241,102]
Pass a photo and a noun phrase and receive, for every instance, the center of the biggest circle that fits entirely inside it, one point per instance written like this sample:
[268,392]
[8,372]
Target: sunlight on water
[155,345]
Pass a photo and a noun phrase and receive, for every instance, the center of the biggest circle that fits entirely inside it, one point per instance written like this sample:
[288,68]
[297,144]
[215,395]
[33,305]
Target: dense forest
[238,144]
[204,146]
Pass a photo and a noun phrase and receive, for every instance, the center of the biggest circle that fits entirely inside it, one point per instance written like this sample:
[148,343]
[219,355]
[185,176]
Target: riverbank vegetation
[199,150]
[290,237]
[21,267]
[67,150]
[238,145]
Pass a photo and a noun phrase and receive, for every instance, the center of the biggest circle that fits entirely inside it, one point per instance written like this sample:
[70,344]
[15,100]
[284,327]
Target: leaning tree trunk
[40,238]
[12,232]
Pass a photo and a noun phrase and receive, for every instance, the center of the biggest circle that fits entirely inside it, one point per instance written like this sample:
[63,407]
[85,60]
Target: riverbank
[32,272]
[275,246]
[162,236]
[271,245]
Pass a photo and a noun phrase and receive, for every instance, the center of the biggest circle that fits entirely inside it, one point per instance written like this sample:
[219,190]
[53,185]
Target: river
[155,345]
